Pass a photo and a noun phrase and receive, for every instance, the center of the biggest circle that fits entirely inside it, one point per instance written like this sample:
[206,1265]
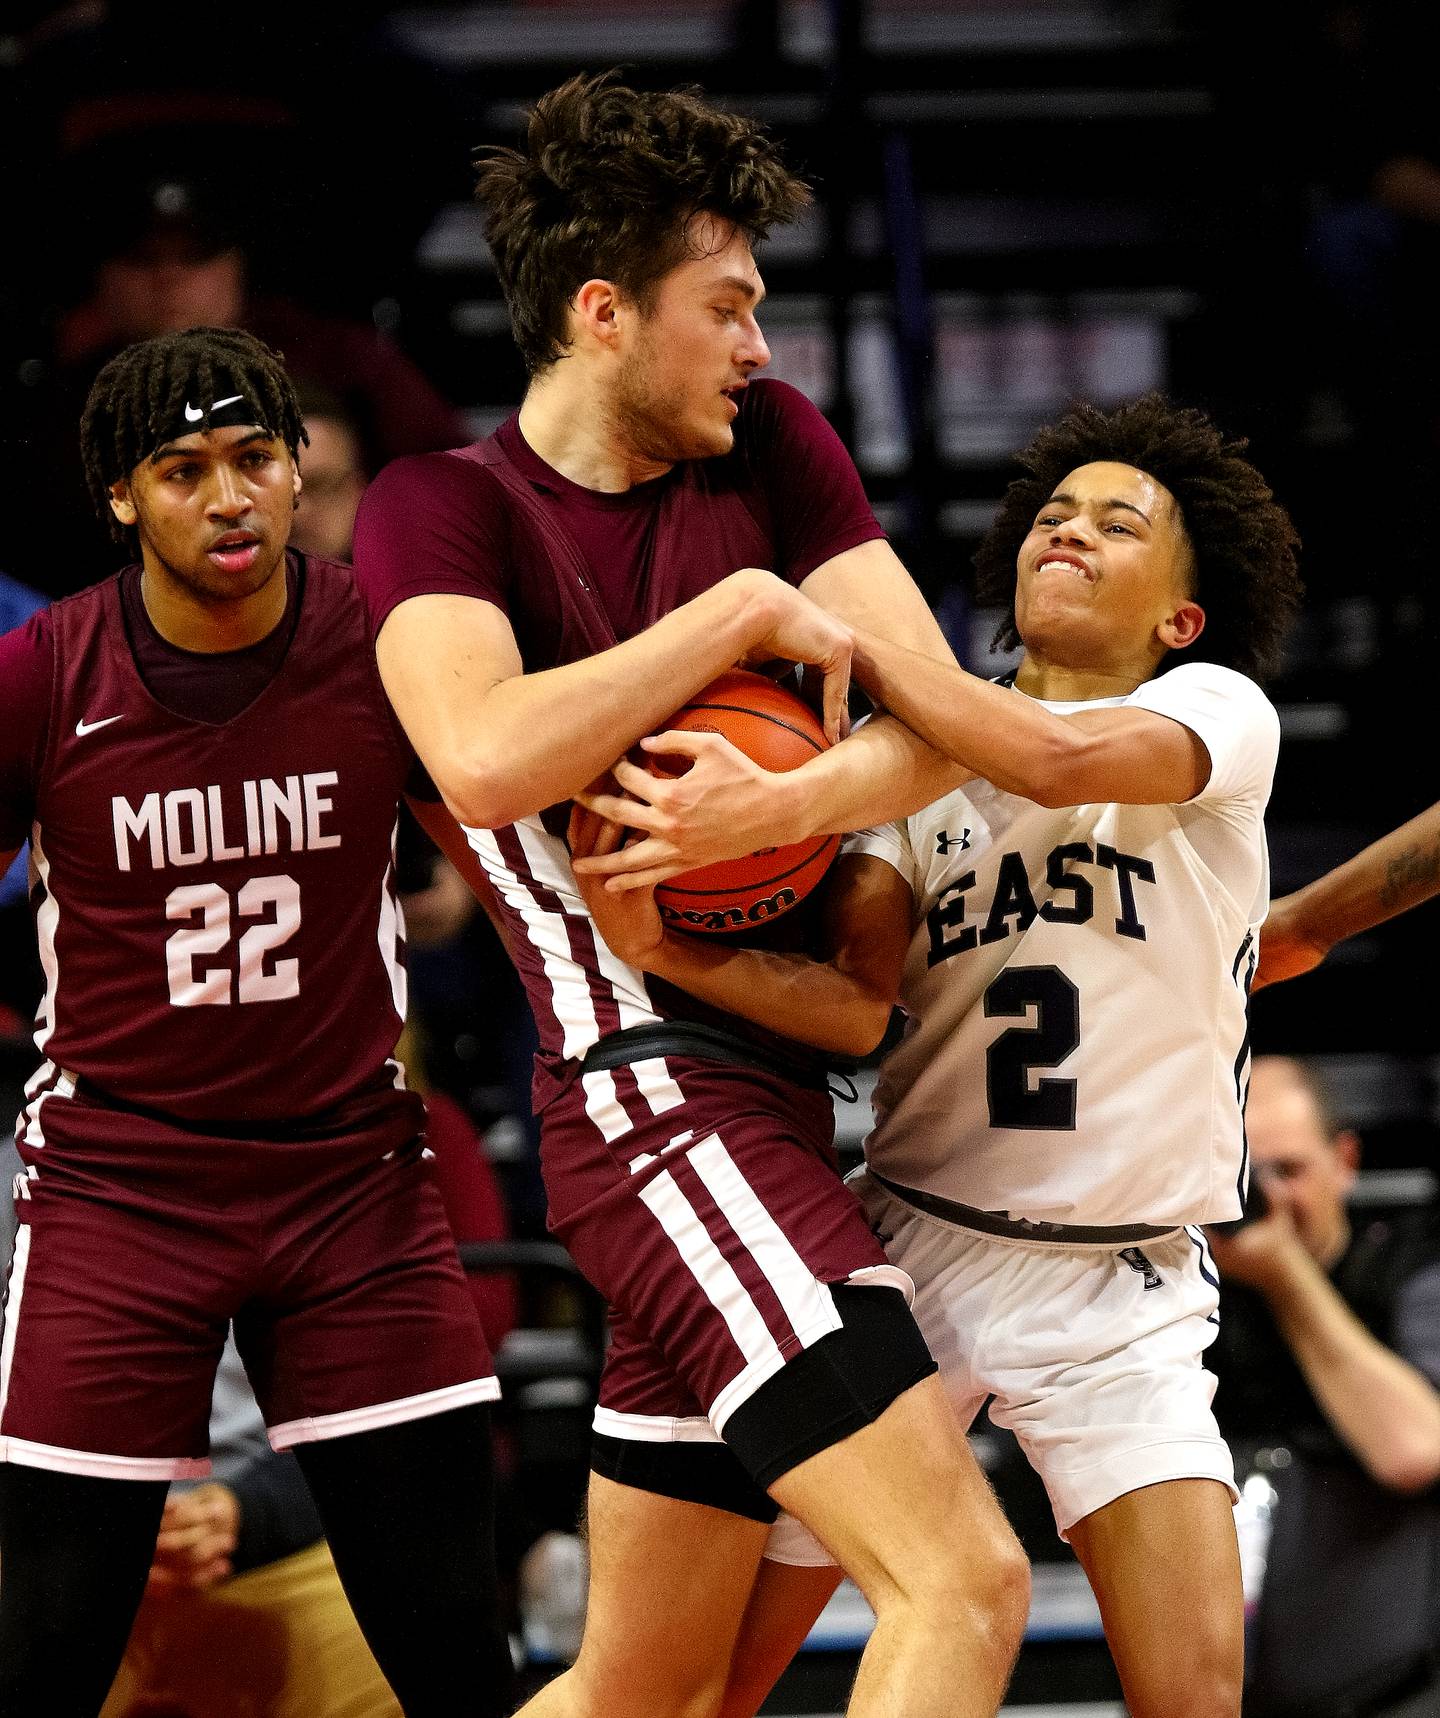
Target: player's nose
[756,352]
[227,498]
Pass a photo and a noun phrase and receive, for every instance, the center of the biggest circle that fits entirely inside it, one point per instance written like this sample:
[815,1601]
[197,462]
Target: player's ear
[1183,626]
[595,304]
[296,483]
[121,504]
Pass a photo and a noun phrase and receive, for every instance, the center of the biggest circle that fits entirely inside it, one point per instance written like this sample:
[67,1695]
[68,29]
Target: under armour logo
[960,842]
[1140,1264]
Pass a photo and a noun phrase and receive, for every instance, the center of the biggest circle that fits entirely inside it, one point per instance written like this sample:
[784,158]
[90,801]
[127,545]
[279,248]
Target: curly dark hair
[1244,544]
[137,398]
[605,188]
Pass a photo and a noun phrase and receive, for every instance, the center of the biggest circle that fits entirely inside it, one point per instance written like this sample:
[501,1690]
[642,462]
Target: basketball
[778,730]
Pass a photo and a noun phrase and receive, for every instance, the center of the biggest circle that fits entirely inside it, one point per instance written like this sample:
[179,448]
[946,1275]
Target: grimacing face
[1106,571]
[213,509]
[687,356]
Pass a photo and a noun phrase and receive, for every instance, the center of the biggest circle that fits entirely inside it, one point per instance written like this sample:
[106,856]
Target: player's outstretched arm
[1122,755]
[501,743]
[724,803]
[1393,874]
[841,1004]
[880,772]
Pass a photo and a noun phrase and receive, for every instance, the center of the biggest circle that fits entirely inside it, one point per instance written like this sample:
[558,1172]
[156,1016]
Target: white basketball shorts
[1093,1355]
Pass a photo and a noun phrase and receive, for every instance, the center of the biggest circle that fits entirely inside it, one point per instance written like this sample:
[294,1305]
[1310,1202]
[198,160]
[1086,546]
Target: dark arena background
[1018,203]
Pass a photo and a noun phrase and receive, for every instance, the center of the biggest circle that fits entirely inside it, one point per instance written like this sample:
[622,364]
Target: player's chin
[711,439]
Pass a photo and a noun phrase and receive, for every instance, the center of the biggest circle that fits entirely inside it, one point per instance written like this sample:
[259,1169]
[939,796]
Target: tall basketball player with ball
[1071,933]
[540,602]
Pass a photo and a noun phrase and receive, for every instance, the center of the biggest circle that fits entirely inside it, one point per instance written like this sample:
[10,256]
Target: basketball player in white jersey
[1071,933]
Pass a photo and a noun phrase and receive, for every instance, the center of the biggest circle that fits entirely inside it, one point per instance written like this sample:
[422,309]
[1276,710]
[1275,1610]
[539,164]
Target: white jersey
[1077,1048]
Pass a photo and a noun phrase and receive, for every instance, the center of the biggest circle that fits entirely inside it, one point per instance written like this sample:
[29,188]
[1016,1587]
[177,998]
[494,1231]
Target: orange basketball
[778,730]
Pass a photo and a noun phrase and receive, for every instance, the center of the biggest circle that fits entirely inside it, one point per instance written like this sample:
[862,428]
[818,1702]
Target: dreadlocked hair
[137,398]
[605,188]
[1244,545]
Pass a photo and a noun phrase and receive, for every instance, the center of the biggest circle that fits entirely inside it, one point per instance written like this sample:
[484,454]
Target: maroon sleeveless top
[215,901]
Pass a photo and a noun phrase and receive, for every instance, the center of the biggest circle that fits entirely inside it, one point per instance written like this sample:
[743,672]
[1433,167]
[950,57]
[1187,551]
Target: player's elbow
[863,1027]
[1410,1464]
[1051,770]
[481,797]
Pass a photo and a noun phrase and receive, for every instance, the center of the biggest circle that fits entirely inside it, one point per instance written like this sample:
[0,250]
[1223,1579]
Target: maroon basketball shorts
[754,1317]
[139,1243]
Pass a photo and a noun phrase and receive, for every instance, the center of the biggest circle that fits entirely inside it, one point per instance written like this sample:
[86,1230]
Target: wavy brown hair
[605,188]
[1244,545]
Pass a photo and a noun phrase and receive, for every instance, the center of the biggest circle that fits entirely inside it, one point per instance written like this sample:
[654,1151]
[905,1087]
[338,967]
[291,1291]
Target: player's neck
[564,420]
[1041,676]
[210,625]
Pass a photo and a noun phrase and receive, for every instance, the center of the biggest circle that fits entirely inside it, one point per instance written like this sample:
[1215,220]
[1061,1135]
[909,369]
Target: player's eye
[183,473]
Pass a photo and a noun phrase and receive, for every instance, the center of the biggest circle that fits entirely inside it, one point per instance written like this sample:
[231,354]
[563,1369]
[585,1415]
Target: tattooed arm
[1395,873]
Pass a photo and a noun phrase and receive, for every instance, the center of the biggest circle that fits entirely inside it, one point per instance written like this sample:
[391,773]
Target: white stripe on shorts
[603,1106]
[657,1086]
[96,1465]
[655,1428]
[19,1259]
[714,1273]
[807,1304]
[316,1428]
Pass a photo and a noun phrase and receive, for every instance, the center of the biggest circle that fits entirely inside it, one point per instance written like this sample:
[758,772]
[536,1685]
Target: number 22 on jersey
[214,917]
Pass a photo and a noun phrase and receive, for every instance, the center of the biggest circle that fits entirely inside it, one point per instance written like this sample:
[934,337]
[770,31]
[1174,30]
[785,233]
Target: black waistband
[707,1043]
[1024,1228]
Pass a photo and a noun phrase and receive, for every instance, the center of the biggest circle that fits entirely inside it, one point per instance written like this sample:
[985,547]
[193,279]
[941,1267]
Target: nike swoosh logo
[193,414]
[82,728]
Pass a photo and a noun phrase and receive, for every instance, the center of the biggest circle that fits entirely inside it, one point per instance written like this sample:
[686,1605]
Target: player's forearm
[1386,1411]
[1399,871]
[881,772]
[803,999]
[1130,756]
[986,729]
[524,741]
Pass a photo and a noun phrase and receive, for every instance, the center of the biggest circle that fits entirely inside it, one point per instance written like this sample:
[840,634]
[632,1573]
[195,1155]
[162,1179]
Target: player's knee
[977,1571]
[1202,1676]
[995,1582]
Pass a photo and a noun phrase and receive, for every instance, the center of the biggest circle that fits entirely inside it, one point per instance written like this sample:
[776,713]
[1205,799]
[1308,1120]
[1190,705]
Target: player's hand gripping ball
[776,729]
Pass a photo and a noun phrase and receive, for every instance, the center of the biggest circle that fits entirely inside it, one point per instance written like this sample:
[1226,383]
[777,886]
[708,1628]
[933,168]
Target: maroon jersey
[214,899]
[575,570]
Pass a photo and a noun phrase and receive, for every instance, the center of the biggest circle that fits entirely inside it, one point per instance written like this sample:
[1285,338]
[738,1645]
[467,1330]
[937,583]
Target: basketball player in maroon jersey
[540,601]
[202,756]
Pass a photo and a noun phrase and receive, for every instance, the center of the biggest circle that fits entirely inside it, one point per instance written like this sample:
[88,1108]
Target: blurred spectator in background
[19,968]
[17,603]
[170,254]
[311,118]
[1329,1359]
[334,473]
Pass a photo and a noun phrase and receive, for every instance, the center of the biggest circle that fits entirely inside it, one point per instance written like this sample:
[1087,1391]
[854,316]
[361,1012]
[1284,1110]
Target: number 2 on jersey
[1044,1043]
[272,901]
